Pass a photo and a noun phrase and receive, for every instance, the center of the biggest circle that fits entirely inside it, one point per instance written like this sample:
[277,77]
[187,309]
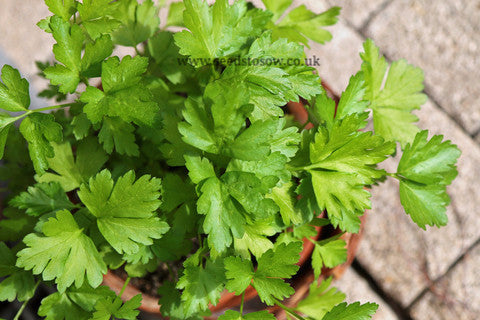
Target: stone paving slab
[443,38]
[395,251]
[404,261]
[358,12]
[339,58]
[357,289]
[456,295]
[399,255]
[21,40]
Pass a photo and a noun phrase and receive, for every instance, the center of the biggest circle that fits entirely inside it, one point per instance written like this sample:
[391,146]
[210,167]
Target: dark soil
[152,281]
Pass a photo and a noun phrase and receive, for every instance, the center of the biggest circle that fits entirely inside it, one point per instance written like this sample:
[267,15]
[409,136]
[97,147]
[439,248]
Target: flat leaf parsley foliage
[165,163]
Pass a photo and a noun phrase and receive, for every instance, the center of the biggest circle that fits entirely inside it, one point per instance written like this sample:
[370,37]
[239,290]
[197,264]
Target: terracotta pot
[228,300]
[301,284]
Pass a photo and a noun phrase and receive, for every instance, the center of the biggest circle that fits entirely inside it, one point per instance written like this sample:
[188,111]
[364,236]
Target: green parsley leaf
[255,239]
[235,315]
[81,126]
[351,100]
[272,266]
[199,169]
[65,254]
[343,163]
[266,87]
[171,303]
[15,224]
[320,300]
[217,31]
[329,253]
[201,286]
[62,8]
[107,308]
[253,143]
[74,303]
[222,216]
[119,134]
[6,121]
[277,7]
[392,102]
[58,306]
[125,210]
[227,201]
[352,311]
[39,130]
[14,94]
[18,284]
[166,54]
[212,132]
[176,243]
[198,131]
[139,21]
[284,198]
[67,50]
[124,95]
[175,14]
[71,173]
[426,168]
[42,198]
[171,197]
[269,79]
[239,273]
[97,17]
[269,170]
[95,54]
[301,24]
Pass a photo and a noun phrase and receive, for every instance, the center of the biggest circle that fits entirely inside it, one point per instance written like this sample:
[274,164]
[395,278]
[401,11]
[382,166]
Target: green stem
[20,311]
[85,80]
[290,311]
[241,304]
[127,281]
[215,72]
[393,175]
[24,305]
[170,271]
[65,105]
[138,51]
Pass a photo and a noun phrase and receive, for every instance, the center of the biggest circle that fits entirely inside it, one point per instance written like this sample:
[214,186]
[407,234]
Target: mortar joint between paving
[394,304]
[432,284]
[384,5]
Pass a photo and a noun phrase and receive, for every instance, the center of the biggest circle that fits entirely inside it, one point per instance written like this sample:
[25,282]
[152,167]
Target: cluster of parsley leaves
[150,161]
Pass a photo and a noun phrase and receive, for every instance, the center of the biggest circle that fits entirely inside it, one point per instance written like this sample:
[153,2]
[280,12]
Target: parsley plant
[184,152]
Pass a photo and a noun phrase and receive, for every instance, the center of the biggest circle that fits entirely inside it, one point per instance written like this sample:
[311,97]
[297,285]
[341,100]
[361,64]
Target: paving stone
[443,38]
[456,295]
[22,41]
[358,12]
[401,256]
[357,289]
[339,58]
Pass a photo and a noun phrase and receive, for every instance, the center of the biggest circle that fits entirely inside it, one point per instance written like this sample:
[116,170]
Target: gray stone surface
[22,41]
[443,38]
[357,289]
[456,295]
[339,58]
[401,256]
[358,12]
